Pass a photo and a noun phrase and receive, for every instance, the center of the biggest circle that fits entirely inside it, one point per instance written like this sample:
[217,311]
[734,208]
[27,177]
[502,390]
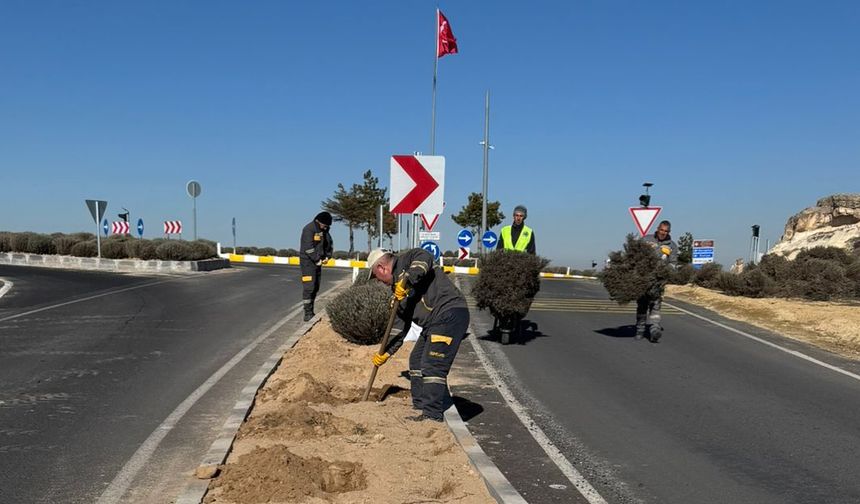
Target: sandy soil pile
[311,439]
[829,325]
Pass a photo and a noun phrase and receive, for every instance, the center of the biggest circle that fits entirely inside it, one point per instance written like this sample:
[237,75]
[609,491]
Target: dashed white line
[7,286]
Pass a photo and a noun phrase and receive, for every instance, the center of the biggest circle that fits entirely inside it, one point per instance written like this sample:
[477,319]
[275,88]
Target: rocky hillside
[834,221]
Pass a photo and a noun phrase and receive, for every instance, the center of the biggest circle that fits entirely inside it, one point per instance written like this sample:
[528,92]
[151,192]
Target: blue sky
[740,113]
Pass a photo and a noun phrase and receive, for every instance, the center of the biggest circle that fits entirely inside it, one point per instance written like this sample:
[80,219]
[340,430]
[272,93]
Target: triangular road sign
[428,224]
[644,217]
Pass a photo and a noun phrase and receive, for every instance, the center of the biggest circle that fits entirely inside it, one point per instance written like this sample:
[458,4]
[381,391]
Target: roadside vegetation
[113,247]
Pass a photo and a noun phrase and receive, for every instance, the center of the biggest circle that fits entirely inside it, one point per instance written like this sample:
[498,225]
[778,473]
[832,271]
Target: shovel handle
[392,311]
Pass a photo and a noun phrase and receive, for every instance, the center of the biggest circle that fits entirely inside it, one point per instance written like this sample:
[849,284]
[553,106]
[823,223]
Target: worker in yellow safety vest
[518,236]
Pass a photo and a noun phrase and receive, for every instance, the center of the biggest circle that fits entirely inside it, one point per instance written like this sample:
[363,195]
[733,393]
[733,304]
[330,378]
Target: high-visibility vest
[522,241]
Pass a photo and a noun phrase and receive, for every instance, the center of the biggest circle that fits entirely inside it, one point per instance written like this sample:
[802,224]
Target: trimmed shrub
[20,241]
[708,275]
[173,250]
[751,283]
[507,282]
[82,236]
[114,249]
[776,267]
[634,271]
[827,253]
[816,279]
[340,254]
[288,252]
[266,251]
[63,243]
[683,275]
[359,313]
[141,249]
[202,249]
[40,244]
[5,242]
[85,249]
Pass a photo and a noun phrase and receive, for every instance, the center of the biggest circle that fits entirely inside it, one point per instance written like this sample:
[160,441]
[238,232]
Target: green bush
[266,251]
[360,313]
[5,241]
[634,271]
[817,279]
[751,283]
[827,253]
[708,275]
[141,249]
[173,250]
[114,249]
[776,267]
[507,282]
[85,249]
[40,244]
[63,243]
[21,241]
[290,252]
[683,275]
[202,249]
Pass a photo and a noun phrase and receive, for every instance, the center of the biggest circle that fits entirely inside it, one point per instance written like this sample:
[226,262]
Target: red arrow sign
[428,225]
[464,253]
[425,184]
[644,217]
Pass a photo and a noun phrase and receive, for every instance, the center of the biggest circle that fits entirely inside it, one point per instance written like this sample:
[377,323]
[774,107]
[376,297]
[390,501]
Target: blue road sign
[464,238]
[489,239]
[432,248]
[105,227]
[140,228]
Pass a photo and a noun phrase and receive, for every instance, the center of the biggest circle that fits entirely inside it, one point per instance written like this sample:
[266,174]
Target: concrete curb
[113,265]
[498,485]
[6,286]
[195,491]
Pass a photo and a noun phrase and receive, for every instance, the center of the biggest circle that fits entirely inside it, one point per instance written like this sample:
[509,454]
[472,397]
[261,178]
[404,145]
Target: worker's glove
[401,290]
[380,359]
[665,250]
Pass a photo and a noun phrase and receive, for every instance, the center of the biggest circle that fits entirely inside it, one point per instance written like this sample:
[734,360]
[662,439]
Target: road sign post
[433,249]
[234,235]
[489,240]
[703,252]
[644,217]
[140,228]
[464,253]
[417,184]
[97,210]
[193,188]
[465,237]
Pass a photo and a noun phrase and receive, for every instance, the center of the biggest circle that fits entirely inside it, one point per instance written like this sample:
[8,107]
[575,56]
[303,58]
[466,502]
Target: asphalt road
[92,363]
[705,416]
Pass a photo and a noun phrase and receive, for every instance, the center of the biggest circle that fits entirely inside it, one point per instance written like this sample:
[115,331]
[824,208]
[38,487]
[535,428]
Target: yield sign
[644,217]
[417,184]
[464,253]
[428,224]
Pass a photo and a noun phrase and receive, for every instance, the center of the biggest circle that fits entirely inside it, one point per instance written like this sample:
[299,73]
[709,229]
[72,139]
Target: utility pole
[486,143]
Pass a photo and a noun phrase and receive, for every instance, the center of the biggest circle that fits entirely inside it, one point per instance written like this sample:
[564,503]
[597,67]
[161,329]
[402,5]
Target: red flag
[445,41]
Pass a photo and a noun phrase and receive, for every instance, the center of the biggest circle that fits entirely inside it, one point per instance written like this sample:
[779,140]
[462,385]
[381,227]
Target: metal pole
[234,235]
[435,66]
[380,225]
[399,231]
[98,231]
[195,218]
[486,170]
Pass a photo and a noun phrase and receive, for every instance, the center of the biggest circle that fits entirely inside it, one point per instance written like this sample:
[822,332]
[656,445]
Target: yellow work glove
[380,359]
[401,290]
[665,250]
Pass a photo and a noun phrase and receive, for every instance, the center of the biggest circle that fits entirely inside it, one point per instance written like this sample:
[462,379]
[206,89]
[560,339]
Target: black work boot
[656,333]
[309,311]
[640,332]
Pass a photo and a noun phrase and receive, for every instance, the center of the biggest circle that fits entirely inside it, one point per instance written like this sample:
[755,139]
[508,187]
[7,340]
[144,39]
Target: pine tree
[685,248]
[470,215]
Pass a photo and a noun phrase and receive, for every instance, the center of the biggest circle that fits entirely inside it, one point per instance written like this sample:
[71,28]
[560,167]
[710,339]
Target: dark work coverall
[648,306]
[316,246]
[434,303]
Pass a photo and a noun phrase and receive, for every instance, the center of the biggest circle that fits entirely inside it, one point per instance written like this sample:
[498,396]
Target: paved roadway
[705,416]
[92,363]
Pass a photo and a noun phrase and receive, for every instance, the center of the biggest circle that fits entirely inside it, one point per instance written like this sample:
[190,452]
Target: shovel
[392,311]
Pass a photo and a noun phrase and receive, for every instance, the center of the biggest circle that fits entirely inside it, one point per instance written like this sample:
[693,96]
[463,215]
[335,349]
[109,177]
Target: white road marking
[7,286]
[795,353]
[558,458]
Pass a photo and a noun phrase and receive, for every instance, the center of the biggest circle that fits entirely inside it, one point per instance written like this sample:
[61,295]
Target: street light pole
[486,171]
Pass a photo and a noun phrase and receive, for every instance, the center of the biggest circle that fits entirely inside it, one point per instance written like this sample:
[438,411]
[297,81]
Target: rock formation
[834,221]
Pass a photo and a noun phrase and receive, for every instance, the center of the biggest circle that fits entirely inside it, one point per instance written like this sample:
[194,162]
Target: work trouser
[648,311]
[431,359]
[310,282]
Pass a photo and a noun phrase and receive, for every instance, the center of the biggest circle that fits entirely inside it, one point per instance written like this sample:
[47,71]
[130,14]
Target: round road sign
[193,188]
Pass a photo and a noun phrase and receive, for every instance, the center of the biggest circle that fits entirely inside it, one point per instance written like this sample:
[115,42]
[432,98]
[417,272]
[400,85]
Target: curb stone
[195,490]
[115,265]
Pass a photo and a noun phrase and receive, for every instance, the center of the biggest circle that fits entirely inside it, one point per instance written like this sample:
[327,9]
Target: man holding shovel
[426,296]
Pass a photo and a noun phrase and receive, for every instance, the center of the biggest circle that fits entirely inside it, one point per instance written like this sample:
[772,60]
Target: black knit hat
[323,218]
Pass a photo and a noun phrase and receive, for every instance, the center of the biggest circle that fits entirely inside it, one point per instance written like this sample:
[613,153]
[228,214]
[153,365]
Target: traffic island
[310,438]
[114,265]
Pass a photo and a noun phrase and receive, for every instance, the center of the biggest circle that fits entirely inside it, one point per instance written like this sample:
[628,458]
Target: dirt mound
[275,474]
[298,420]
[303,388]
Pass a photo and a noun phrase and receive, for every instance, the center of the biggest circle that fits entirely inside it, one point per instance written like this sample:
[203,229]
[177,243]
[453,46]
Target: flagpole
[435,69]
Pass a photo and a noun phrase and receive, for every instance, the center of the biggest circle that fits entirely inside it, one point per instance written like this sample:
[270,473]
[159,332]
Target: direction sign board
[428,235]
[140,228]
[644,217]
[432,248]
[703,252]
[417,184]
[464,253]
[489,239]
[119,227]
[465,237]
[105,227]
[97,207]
